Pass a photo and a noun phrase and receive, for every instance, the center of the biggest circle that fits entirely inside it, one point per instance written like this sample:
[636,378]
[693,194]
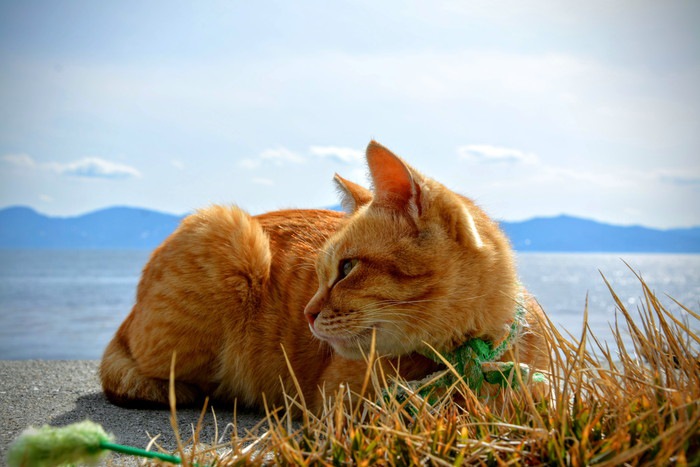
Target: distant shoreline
[142,229]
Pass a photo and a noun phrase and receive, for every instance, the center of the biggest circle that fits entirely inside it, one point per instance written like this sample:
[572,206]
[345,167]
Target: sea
[67,304]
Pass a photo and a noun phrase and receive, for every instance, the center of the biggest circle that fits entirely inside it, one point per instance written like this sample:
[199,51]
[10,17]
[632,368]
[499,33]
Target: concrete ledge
[57,393]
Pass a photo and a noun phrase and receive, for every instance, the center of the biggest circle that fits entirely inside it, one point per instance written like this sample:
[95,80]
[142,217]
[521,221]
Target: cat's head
[415,262]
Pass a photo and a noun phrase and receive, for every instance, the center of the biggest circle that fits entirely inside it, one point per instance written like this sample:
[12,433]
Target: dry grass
[607,406]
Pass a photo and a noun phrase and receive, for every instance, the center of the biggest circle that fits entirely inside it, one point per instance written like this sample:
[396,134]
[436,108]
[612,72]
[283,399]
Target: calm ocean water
[68,304]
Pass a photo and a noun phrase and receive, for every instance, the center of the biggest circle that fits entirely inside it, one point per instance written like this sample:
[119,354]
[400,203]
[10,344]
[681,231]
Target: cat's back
[300,228]
[221,253]
[218,242]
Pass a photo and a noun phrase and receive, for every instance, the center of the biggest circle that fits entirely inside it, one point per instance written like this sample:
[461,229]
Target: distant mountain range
[117,227]
[123,227]
[573,234]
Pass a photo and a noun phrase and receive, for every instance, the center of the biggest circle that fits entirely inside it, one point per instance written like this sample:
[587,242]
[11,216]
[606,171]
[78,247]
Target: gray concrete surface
[57,393]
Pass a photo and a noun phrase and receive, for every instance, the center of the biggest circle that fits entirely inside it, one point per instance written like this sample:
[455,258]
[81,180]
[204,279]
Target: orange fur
[413,262]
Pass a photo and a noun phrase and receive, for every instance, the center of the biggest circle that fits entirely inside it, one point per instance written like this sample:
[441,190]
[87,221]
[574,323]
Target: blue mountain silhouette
[117,227]
[572,234]
[133,228]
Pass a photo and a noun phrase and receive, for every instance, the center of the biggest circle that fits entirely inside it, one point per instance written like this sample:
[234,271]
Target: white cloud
[281,155]
[249,163]
[528,167]
[278,156]
[608,179]
[339,154]
[689,177]
[88,167]
[20,160]
[179,165]
[627,179]
[94,167]
[456,75]
[263,181]
[484,153]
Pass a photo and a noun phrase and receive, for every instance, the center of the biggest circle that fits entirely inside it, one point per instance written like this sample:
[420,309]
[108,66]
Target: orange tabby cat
[413,262]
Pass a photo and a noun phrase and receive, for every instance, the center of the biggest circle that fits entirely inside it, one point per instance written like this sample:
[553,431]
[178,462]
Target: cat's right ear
[395,183]
[352,195]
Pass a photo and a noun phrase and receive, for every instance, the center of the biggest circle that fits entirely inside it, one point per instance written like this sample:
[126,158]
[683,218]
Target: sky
[531,108]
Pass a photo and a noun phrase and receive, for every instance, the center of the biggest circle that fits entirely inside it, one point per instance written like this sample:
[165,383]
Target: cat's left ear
[352,195]
[395,183]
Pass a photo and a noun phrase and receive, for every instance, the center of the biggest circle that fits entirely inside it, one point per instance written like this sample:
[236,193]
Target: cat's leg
[358,385]
[125,385]
[341,378]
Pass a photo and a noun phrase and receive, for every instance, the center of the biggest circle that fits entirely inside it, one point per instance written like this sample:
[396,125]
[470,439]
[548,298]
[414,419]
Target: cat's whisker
[385,304]
[392,328]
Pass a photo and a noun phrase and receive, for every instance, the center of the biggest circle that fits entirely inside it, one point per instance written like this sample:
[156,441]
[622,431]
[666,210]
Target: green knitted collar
[476,360]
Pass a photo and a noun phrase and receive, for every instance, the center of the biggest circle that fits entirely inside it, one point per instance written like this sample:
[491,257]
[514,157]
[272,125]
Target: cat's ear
[352,195]
[394,182]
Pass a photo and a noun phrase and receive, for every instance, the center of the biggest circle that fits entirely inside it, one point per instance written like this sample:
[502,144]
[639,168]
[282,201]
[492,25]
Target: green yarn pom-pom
[49,446]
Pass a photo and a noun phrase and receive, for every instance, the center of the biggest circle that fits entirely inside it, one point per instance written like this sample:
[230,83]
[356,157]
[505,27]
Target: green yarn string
[476,361]
[132,451]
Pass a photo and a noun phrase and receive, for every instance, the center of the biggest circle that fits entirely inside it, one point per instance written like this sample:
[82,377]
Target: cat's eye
[345,267]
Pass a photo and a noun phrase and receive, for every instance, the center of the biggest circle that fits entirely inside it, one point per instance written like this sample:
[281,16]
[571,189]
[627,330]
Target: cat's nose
[312,310]
[310,317]
[311,313]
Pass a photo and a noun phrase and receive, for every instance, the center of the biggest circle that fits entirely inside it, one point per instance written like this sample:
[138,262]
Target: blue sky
[530,108]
